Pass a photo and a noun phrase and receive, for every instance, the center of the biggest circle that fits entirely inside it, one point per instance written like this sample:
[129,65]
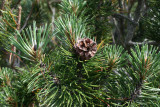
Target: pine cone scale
[86,48]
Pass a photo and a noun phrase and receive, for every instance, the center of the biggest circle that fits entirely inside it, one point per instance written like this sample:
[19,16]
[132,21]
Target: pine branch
[118,31]
[131,27]
[27,19]
[50,2]
[19,17]
[32,45]
[16,4]
[18,28]
[117,15]
[131,43]
[137,91]
[49,6]
[12,63]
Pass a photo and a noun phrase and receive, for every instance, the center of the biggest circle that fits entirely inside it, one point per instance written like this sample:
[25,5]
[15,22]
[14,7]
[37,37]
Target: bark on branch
[19,17]
[13,56]
[131,43]
[131,27]
[137,91]
[117,15]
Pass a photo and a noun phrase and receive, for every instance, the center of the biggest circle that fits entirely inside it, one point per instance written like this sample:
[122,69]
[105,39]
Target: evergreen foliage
[37,10]
[33,42]
[98,12]
[152,25]
[14,90]
[60,78]
[7,27]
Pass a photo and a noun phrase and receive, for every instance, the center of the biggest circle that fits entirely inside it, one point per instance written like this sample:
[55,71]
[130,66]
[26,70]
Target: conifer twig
[16,4]
[27,19]
[18,28]
[19,17]
[137,91]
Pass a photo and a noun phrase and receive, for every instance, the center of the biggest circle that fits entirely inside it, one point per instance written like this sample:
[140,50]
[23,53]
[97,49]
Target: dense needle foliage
[110,76]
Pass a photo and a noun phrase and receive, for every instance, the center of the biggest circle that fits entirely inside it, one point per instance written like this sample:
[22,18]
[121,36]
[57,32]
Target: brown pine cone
[85,48]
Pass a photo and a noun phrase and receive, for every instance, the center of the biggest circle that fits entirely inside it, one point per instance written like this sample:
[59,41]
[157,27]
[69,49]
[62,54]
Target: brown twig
[123,99]
[10,56]
[16,4]
[19,17]
[27,19]
[18,28]
[8,24]
[12,17]
[102,101]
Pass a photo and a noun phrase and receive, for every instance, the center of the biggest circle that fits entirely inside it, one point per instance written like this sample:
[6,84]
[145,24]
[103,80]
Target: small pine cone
[86,48]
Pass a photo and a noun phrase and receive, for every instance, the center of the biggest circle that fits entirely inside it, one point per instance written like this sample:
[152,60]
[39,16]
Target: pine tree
[79,72]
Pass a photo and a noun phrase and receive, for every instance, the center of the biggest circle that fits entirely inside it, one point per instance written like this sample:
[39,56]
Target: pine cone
[85,48]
